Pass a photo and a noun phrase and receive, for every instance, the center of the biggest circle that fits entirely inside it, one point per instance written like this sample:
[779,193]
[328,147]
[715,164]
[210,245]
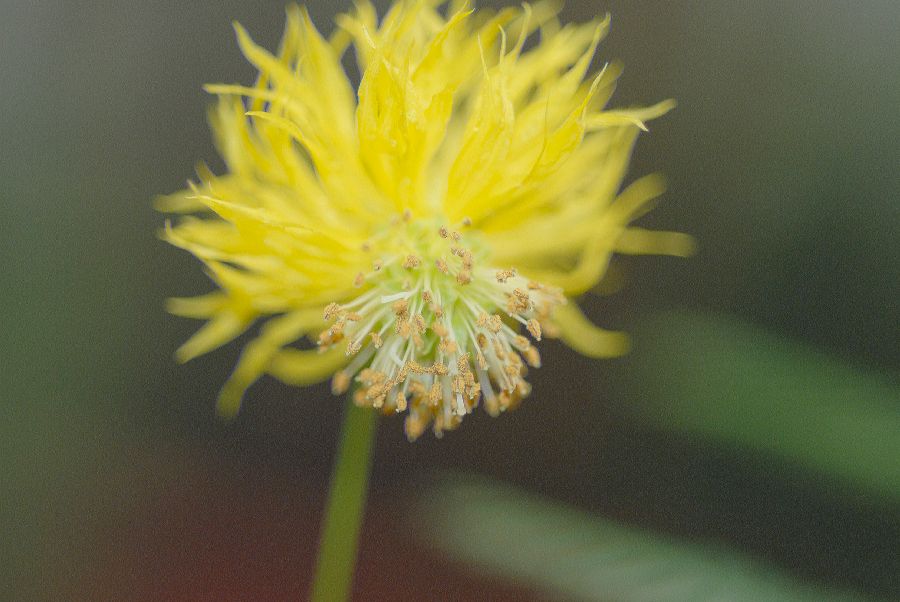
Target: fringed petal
[222,328]
[257,355]
[296,367]
[638,241]
[584,337]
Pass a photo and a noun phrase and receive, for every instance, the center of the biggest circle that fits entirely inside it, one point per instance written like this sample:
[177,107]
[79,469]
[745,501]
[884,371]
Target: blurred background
[748,448]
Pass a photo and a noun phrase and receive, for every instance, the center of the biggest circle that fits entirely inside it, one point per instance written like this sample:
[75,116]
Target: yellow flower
[400,237]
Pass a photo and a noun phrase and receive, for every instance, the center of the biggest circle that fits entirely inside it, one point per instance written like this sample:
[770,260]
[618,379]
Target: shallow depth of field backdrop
[751,440]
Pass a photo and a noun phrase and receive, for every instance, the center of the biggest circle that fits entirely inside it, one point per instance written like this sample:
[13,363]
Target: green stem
[346,501]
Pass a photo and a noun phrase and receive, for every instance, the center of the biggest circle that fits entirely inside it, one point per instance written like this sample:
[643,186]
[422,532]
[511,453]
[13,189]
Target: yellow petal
[581,335]
[635,117]
[219,330]
[638,241]
[255,359]
[203,306]
[296,367]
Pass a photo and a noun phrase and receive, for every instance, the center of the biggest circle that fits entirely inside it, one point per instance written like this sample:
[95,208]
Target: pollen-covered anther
[435,395]
[353,347]
[411,262]
[403,328]
[504,275]
[332,334]
[493,323]
[439,369]
[448,346]
[441,265]
[359,280]
[359,398]
[518,302]
[439,329]
[340,382]
[443,232]
[400,402]
[532,356]
[464,276]
[331,311]
[400,307]
[534,327]
[468,260]
[377,392]
[376,340]
[414,425]
[512,369]
[465,255]
[377,265]
[415,367]
[368,376]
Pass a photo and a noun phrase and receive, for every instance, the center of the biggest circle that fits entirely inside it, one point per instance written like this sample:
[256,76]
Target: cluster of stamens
[435,333]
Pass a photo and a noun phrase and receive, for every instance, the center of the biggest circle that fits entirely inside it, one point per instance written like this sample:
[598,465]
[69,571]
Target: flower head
[415,237]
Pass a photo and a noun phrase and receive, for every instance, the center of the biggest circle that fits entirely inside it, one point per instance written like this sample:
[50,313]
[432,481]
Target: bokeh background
[748,448]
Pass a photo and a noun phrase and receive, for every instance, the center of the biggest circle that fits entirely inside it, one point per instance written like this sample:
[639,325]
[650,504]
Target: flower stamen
[436,351]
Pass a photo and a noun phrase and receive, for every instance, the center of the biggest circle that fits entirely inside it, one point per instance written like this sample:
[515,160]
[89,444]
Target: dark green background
[783,162]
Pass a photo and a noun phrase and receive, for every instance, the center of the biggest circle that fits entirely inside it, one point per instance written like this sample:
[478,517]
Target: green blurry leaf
[574,555]
[737,384]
